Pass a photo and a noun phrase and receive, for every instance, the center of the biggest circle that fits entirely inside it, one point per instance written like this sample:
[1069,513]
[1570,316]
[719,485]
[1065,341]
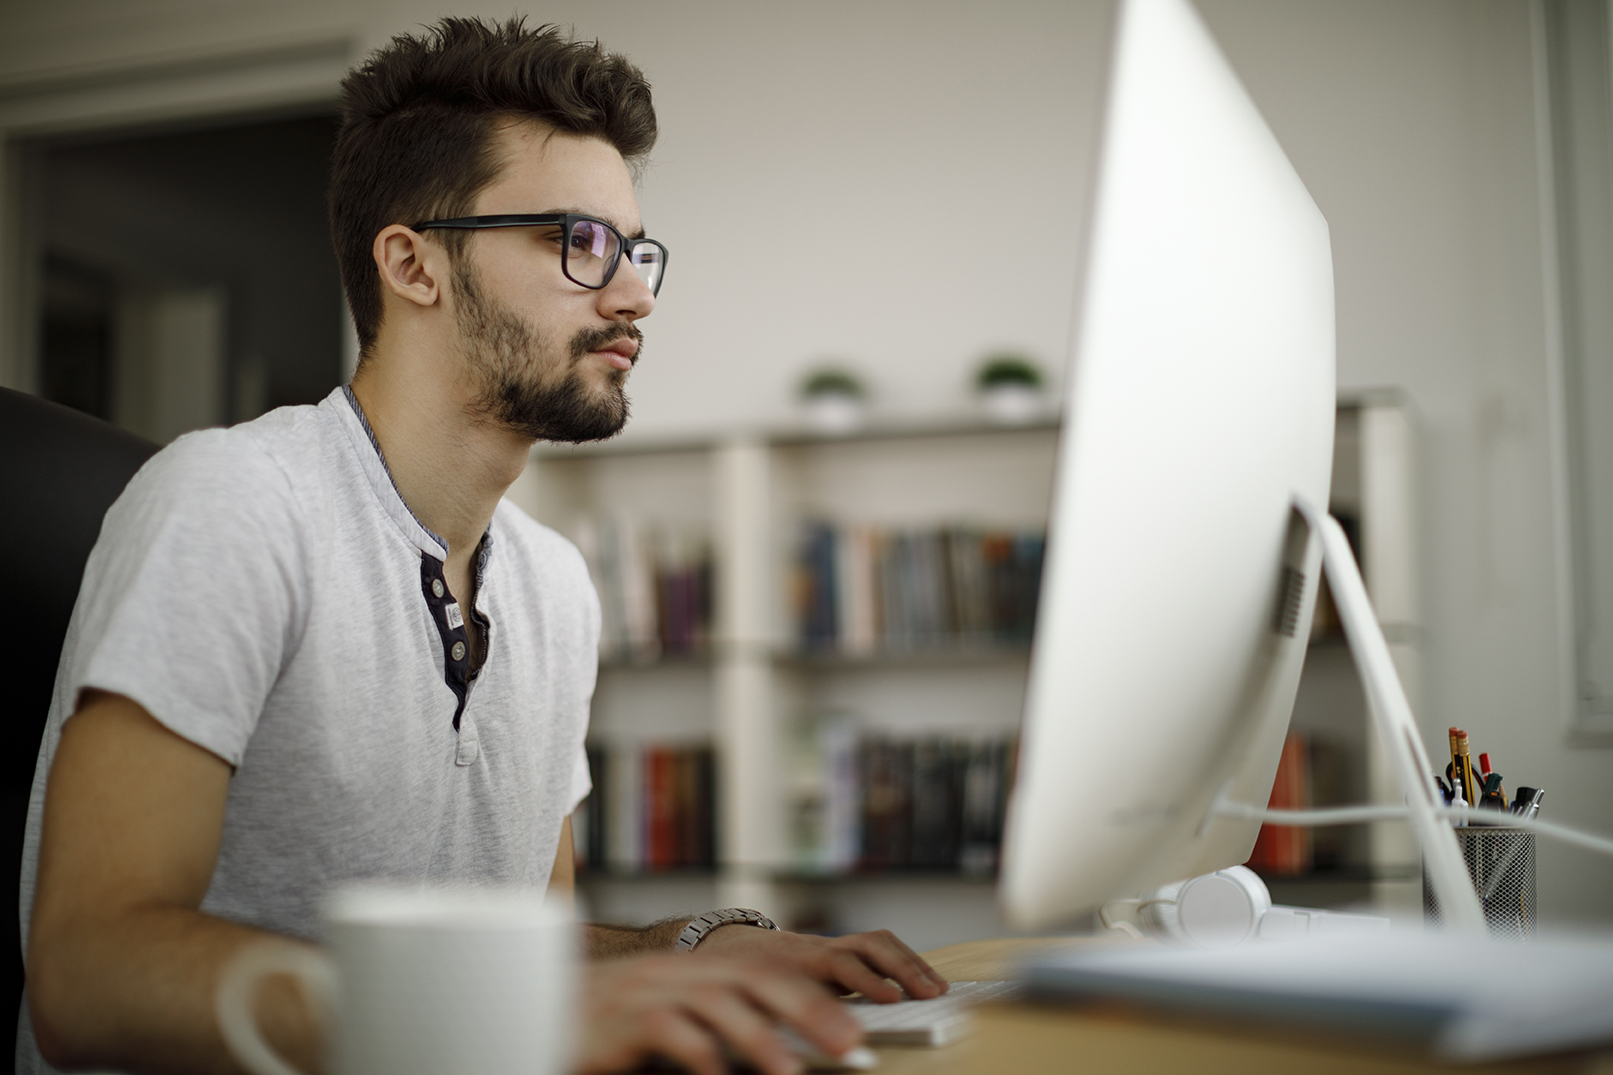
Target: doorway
[186,278]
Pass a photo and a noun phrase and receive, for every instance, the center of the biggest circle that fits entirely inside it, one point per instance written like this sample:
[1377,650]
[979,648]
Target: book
[874,803]
[861,589]
[655,586]
[1285,850]
[887,814]
[654,810]
[660,803]
[985,792]
[623,816]
[588,831]
[937,805]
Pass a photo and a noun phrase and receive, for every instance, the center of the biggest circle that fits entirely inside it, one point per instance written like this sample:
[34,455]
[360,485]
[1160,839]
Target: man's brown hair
[418,121]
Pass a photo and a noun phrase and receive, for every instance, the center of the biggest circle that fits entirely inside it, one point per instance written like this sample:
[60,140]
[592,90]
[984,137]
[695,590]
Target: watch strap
[696,931]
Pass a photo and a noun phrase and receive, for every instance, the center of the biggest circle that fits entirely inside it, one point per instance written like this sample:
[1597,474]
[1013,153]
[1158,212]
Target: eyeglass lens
[594,249]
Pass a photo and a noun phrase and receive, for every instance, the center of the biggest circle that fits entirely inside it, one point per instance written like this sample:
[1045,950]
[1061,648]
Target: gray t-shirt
[264,592]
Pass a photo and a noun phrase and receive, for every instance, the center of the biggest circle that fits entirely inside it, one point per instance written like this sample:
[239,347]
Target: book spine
[860,589]
[842,813]
[661,799]
[705,759]
[624,796]
[588,833]
[982,807]
[686,812]
[1285,850]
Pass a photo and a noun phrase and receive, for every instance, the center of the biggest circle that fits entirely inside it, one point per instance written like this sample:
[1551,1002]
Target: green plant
[1007,369]
[832,381]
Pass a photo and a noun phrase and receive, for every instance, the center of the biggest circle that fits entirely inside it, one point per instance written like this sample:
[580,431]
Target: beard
[524,385]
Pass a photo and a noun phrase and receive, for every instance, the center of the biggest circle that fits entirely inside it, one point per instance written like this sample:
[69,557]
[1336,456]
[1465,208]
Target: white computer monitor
[1180,581]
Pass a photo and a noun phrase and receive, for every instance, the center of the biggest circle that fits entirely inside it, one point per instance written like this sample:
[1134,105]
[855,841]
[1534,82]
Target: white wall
[1412,123]
[956,139]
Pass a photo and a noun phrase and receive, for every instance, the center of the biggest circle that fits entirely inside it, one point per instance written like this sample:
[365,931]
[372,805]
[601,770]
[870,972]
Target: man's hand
[858,963]
[684,1008]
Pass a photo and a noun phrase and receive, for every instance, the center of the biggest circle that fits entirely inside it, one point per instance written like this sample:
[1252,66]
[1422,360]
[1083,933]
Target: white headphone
[1217,910]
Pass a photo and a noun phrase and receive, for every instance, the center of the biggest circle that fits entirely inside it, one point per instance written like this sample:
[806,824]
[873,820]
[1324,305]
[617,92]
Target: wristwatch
[696,931]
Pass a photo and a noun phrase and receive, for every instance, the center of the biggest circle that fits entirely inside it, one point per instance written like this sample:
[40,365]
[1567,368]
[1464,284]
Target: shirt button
[437,587]
[458,651]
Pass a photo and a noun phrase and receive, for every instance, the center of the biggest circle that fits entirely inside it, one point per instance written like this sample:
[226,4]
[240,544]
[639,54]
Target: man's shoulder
[262,468]
[278,447]
[547,578]
[543,547]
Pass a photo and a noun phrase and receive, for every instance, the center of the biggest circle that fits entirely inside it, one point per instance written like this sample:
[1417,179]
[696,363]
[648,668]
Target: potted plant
[1010,388]
[835,399]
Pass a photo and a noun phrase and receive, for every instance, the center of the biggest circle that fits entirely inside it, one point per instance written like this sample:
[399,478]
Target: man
[319,647]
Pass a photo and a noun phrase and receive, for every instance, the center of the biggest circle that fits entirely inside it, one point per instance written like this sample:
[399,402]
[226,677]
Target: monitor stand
[1397,730]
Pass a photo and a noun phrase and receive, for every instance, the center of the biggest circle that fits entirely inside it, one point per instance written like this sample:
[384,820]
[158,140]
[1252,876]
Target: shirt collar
[373,462]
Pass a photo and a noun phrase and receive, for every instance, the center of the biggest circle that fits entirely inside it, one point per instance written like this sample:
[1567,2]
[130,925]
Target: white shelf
[752,493]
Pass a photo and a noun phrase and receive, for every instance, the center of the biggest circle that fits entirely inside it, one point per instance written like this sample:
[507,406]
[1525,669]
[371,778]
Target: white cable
[1339,815]
[1355,815]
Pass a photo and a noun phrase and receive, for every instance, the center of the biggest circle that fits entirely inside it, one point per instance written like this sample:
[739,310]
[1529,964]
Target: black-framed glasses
[591,249]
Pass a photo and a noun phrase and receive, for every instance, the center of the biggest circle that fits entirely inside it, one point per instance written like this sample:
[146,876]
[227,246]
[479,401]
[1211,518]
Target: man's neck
[449,468]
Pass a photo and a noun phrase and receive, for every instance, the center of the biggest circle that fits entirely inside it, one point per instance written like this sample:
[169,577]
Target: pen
[1534,802]
[1453,771]
[1493,797]
[1486,770]
[1462,762]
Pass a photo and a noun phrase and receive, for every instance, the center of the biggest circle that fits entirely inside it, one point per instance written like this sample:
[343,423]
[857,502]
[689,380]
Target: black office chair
[59,472]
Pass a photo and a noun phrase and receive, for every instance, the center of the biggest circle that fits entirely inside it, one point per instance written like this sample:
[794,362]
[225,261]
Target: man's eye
[591,239]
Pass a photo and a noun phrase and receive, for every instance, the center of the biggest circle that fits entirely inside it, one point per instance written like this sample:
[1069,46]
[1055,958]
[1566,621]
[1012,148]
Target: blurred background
[867,205]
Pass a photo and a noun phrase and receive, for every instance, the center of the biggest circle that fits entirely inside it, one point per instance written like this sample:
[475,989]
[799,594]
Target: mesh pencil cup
[1501,864]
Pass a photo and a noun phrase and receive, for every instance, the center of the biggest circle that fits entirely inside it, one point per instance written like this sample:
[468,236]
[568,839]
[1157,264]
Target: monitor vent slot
[1290,598]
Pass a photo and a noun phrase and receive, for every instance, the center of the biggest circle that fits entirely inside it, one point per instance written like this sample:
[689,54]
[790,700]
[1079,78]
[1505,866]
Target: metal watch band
[696,931]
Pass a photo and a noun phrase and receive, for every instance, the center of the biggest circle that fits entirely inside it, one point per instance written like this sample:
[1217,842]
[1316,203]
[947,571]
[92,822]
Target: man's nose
[627,296]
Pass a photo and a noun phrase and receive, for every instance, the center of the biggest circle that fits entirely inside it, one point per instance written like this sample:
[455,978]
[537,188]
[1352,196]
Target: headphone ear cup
[1158,912]
[1217,910]
[1222,909]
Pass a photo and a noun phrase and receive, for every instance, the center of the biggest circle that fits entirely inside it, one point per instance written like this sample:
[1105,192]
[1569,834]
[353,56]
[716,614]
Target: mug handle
[238,987]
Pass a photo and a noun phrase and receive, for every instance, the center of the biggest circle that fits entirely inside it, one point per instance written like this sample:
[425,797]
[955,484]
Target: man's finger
[746,1030]
[893,959]
[804,1005]
[851,970]
[677,1037]
[929,972]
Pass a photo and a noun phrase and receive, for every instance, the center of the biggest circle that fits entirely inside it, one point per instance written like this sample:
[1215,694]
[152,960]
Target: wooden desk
[1022,1039]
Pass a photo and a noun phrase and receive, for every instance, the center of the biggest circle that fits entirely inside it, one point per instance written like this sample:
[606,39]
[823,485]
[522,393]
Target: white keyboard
[939,1021]
[907,1022]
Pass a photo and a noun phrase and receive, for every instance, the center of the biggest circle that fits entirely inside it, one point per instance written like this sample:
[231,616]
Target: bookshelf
[750,679]
[1375,495]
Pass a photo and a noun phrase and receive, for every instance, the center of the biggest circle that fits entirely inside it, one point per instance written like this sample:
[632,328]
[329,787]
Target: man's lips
[620,353]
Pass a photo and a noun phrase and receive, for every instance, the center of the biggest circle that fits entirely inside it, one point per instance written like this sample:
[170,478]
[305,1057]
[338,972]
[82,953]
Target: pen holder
[1501,864]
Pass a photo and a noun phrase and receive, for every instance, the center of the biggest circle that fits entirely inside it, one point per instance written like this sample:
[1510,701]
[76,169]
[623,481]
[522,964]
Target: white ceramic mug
[421,982]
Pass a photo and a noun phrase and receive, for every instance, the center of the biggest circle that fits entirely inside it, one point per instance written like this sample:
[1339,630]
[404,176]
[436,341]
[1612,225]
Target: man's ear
[411,268]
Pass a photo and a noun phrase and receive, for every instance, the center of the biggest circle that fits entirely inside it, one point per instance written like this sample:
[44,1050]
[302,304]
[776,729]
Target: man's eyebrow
[639,234]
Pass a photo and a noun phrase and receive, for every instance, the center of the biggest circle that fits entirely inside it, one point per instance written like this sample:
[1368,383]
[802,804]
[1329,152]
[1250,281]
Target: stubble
[527,384]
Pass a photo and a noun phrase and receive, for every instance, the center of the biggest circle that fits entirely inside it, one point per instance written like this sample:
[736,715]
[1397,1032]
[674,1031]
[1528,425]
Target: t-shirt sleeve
[588,663]
[581,781]
[192,597]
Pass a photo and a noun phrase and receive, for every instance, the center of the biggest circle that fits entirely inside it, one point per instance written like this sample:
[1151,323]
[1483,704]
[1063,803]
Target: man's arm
[121,963]
[863,963]
[602,941]
[563,874]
